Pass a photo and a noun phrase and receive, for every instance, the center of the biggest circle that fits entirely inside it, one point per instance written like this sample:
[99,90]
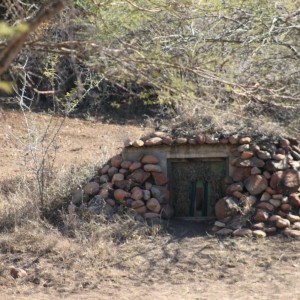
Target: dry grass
[96,258]
[82,255]
[69,256]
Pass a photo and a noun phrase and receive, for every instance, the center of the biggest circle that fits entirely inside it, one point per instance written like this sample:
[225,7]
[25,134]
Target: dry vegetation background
[215,66]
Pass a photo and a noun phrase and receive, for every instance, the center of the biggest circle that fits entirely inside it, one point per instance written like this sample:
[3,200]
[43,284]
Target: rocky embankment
[137,186]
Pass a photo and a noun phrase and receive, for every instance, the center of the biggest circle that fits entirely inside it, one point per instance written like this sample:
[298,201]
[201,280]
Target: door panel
[196,185]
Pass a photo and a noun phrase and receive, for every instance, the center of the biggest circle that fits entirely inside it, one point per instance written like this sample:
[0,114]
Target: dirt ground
[183,263]
[78,141]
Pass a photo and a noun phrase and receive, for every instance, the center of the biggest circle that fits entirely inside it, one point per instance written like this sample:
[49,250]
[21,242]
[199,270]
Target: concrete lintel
[197,155]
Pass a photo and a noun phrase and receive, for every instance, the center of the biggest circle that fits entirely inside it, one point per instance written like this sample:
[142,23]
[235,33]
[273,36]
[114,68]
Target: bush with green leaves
[210,64]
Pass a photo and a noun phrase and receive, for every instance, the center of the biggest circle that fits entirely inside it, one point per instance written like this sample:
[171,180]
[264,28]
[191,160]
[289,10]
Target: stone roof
[169,139]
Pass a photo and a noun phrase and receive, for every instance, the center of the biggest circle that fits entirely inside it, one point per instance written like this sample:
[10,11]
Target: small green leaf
[6,87]
[22,27]
[6,30]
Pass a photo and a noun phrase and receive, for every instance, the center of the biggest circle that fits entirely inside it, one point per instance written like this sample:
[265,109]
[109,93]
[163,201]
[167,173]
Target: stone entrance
[196,185]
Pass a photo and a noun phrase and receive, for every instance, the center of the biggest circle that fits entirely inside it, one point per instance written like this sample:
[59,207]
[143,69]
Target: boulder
[252,162]
[153,205]
[242,232]
[111,202]
[255,171]
[294,200]
[275,218]
[296,226]
[237,194]
[261,216]
[167,140]
[270,191]
[226,207]
[258,226]
[117,177]
[264,155]
[224,141]
[270,230]
[200,138]
[104,169]
[256,184]
[278,156]
[265,197]
[126,164]
[120,195]
[241,148]
[270,147]
[147,194]
[104,193]
[104,178]
[284,143]
[181,140]
[234,187]
[159,178]
[282,223]
[149,159]
[123,171]
[112,171]
[134,166]
[152,168]
[124,184]
[153,141]
[266,174]
[266,206]
[148,185]
[234,139]
[141,209]
[139,176]
[160,134]
[295,148]
[220,224]
[259,234]
[295,155]
[211,140]
[290,181]
[292,233]
[285,207]
[293,218]
[137,193]
[245,140]
[240,174]
[276,180]
[91,188]
[273,165]
[276,203]
[137,204]
[138,143]
[116,161]
[246,155]
[192,141]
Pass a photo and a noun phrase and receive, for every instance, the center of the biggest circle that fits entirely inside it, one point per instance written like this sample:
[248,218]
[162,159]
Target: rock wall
[137,186]
[262,195]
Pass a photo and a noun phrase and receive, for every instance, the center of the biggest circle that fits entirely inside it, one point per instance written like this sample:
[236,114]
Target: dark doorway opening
[196,185]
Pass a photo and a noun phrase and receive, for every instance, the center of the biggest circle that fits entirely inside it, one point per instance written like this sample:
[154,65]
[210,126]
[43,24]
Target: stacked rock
[264,186]
[137,185]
